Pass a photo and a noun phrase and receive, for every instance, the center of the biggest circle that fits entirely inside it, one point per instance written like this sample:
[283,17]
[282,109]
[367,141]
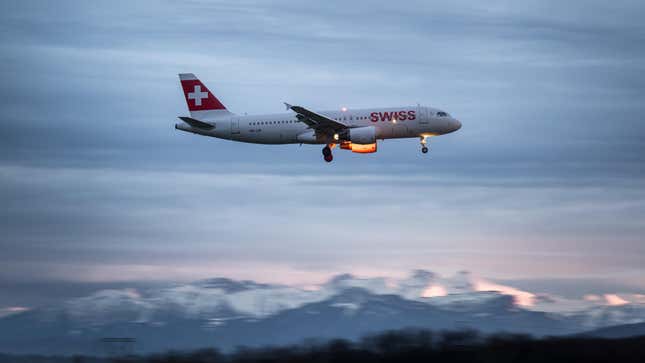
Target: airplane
[355,130]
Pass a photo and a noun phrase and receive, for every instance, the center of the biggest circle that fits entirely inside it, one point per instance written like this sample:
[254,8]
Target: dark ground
[402,346]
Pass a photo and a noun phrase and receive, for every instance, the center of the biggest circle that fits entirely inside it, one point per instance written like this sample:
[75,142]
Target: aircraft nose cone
[457,124]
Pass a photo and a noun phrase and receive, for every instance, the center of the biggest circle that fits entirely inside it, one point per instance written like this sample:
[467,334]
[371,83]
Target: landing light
[336,137]
[344,109]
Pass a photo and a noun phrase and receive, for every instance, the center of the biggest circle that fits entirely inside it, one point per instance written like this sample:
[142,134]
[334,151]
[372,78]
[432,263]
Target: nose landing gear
[327,155]
[424,148]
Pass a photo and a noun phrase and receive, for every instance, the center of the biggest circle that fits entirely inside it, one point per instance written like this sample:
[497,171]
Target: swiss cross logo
[197,95]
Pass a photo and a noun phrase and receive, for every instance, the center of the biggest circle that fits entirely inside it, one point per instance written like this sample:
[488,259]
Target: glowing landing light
[336,137]
[344,109]
[393,120]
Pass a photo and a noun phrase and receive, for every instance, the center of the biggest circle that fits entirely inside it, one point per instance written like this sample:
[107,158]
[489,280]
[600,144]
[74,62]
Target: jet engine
[358,148]
[360,135]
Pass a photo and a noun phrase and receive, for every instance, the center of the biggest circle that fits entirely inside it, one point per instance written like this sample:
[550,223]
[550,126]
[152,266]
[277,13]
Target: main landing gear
[326,151]
[424,148]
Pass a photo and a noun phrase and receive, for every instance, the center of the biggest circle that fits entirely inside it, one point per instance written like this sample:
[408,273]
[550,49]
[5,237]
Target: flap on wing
[315,120]
[196,123]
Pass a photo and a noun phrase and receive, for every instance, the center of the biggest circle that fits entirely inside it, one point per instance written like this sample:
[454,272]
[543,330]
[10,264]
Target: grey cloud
[114,217]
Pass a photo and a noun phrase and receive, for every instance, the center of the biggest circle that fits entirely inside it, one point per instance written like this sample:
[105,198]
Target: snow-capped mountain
[220,296]
[226,313]
[604,316]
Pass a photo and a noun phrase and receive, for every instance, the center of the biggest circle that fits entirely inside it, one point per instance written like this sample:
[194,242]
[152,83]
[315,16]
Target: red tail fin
[198,97]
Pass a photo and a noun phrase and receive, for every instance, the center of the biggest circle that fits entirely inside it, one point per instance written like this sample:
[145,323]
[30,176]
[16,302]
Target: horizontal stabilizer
[196,123]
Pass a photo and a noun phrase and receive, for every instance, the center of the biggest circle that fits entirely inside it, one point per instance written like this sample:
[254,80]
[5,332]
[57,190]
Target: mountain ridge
[225,313]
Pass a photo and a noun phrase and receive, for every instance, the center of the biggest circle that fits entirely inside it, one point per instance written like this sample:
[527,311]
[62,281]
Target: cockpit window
[442,114]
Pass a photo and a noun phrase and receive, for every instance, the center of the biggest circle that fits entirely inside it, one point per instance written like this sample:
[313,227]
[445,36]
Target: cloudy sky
[542,188]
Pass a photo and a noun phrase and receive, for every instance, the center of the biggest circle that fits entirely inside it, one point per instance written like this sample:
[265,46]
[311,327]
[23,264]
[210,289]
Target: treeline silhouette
[400,346]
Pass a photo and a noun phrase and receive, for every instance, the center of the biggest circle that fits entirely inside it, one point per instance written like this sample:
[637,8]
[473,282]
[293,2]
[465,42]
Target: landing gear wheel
[327,154]
[424,141]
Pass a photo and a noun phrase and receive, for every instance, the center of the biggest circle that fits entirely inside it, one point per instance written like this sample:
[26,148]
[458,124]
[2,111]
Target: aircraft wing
[315,120]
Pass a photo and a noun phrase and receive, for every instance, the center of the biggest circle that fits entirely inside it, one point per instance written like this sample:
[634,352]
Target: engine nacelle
[360,135]
[358,148]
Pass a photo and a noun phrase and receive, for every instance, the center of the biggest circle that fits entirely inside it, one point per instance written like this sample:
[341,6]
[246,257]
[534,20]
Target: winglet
[288,106]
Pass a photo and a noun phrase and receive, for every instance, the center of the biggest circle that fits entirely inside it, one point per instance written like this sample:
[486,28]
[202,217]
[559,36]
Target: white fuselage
[285,128]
